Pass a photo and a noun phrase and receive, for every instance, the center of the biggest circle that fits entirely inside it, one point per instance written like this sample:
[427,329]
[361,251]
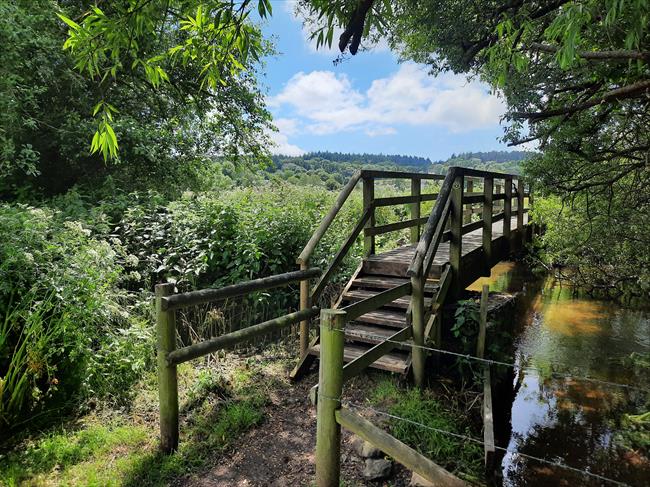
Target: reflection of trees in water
[576,430]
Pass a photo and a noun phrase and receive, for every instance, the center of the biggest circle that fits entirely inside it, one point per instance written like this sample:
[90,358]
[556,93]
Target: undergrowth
[460,457]
[116,449]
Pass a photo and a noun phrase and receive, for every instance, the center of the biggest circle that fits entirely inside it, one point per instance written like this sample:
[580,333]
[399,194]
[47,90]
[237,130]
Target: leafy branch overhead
[149,41]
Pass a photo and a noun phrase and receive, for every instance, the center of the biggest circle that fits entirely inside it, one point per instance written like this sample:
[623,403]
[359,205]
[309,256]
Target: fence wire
[586,473]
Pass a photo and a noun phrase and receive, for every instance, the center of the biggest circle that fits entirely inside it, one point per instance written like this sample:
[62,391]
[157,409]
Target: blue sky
[370,102]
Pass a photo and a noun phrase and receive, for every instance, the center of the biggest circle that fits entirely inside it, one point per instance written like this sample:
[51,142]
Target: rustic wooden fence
[169,356]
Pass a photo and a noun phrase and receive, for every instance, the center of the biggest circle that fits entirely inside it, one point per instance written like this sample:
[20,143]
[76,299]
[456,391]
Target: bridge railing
[365,224]
[168,356]
[450,219]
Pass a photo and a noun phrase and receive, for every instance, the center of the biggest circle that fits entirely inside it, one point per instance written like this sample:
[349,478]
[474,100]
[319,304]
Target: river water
[563,339]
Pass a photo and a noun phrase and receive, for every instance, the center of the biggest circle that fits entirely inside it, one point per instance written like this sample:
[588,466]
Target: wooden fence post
[507,210]
[488,186]
[520,211]
[417,322]
[467,212]
[416,190]
[330,386]
[482,329]
[304,304]
[167,379]
[456,243]
[498,205]
[368,197]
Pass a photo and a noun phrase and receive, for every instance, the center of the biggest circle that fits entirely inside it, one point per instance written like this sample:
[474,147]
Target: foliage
[166,138]
[213,40]
[495,161]
[575,76]
[415,406]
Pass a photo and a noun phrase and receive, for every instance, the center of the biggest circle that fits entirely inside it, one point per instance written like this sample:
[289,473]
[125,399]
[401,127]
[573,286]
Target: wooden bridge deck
[395,262]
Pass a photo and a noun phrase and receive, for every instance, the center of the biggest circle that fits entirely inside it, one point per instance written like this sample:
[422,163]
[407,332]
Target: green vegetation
[217,406]
[464,458]
[495,161]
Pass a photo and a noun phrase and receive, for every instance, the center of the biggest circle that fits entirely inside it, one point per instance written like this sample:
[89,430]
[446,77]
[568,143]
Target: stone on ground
[366,450]
[377,469]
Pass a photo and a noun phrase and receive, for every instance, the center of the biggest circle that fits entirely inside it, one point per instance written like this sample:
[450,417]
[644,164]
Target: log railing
[365,224]
[168,356]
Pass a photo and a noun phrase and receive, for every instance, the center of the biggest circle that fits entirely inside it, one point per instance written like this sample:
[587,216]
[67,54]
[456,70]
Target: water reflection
[564,419]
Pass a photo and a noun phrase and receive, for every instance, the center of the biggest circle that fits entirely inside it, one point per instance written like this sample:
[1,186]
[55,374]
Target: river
[568,397]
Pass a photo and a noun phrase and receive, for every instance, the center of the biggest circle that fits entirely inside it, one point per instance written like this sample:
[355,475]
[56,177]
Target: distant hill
[497,161]
[373,159]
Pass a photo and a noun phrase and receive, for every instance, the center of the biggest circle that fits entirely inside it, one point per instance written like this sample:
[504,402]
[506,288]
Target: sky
[369,102]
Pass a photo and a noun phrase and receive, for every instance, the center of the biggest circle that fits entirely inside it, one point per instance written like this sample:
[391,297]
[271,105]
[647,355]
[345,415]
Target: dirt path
[280,452]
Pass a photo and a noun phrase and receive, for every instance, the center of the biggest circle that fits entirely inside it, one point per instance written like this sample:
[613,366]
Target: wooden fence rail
[331,415]
[168,356]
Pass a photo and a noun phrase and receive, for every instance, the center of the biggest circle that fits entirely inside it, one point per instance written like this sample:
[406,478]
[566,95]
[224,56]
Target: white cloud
[280,140]
[329,103]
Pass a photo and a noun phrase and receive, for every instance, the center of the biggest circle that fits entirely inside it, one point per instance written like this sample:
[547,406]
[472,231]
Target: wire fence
[585,473]
[487,362]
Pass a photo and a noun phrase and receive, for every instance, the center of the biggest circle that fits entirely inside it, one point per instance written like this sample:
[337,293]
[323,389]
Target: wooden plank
[193,298]
[376,301]
[482,328]
[303,258]
[379,174]
[386,282]
[418,355]
[392,227]
[385,318]
[358,295]
[473,198]
[488,422]
[347,287]
[231,339]
[404,454]
[391,362]
[402,200]
[470,227]
[488,189]
[356,366]
[507,209]
[368,333]
[304,304]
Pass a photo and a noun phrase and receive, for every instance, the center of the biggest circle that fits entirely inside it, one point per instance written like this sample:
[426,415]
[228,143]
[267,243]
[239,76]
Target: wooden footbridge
[393,297]
[478,219]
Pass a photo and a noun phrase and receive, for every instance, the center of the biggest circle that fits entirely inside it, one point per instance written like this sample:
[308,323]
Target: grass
[460,457]
[117,449]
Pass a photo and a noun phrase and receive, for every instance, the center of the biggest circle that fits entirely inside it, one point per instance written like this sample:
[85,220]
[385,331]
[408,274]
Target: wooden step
[386,282]
[368,333]
[359,294]
[391,319]
[395,361]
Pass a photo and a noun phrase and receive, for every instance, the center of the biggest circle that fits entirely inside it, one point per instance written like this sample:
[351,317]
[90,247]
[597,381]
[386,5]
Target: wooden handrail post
[416,190]
[167,379]
[498,205]
[417,322]
[330,386]
[520,206]
[482,330]
[488,186]
[467,213]
[456,243]
[304,304]
[368,197]
[507,209]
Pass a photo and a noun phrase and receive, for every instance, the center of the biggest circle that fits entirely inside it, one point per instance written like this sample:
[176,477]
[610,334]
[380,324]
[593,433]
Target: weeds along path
[280,451]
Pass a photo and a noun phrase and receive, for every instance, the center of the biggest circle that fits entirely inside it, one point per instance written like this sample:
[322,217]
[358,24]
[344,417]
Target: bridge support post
[456,243]
[416,190]
[368,197]
[417,322]
[330,387]
[488,187]
[167,378]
